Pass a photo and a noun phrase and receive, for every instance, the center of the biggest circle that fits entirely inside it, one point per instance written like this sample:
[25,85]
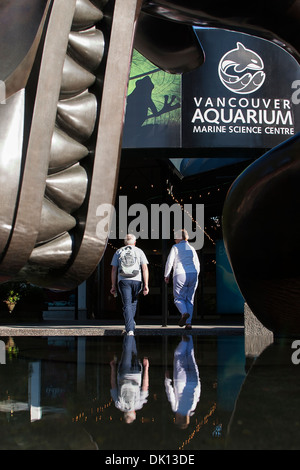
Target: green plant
[11,300]
[13,297]
[11,348]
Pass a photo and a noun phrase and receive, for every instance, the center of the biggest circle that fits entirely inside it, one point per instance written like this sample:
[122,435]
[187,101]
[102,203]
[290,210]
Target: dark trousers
[129,291]
[129,361]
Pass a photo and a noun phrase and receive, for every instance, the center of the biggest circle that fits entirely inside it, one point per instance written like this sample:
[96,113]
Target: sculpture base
[257,336]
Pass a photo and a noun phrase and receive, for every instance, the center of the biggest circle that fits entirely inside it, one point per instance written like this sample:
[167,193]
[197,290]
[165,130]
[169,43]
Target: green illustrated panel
[153,108]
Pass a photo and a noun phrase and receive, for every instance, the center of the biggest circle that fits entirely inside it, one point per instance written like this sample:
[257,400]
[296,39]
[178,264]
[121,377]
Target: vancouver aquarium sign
[245,95]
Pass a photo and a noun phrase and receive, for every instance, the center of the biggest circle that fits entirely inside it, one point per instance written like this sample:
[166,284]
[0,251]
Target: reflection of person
[130,284]
[129,381]
[184,261]
[185,392]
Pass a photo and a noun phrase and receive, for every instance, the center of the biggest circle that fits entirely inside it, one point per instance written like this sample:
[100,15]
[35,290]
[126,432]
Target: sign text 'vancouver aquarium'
[241,97]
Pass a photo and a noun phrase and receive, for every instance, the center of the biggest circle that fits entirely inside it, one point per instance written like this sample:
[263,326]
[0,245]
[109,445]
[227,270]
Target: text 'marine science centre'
[245,95]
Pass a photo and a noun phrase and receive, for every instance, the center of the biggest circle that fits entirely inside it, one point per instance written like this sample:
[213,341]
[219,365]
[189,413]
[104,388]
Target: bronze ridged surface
[76,85]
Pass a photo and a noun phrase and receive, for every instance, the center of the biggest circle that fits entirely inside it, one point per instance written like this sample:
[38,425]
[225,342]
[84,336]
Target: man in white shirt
[185,391]
[184,261]
[129,276]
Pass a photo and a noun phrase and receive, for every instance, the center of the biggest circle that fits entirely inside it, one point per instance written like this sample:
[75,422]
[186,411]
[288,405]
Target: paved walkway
[98,328]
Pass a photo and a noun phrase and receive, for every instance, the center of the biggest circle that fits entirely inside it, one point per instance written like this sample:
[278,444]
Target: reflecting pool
[182,393]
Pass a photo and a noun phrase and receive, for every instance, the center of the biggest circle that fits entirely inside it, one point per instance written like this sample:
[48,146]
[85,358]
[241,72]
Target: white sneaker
[130,333]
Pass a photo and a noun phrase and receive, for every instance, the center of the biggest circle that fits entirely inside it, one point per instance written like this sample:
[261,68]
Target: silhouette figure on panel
[139,102]
[129,380]
[185,392]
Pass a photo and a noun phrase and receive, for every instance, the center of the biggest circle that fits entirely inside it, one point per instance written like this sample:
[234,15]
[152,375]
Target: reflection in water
[266,412]
[185,393]
[56,393]
[129,382]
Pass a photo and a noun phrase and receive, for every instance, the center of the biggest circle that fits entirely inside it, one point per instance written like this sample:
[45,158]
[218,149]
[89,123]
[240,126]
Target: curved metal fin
[77,115]
[87,47]
[75,78]
[86,15]
[54,254]
[54,222]
[67,188]
[65,151]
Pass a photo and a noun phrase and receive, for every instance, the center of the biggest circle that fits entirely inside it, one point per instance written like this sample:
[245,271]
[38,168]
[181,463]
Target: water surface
[189,392]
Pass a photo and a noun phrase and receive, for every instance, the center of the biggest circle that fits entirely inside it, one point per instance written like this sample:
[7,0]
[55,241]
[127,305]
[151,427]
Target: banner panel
[245,95]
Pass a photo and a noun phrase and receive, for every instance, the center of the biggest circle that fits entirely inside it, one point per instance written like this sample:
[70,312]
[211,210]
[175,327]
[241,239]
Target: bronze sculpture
[63,116]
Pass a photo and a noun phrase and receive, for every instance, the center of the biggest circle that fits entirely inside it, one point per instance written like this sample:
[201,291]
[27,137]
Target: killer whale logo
[241,70]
